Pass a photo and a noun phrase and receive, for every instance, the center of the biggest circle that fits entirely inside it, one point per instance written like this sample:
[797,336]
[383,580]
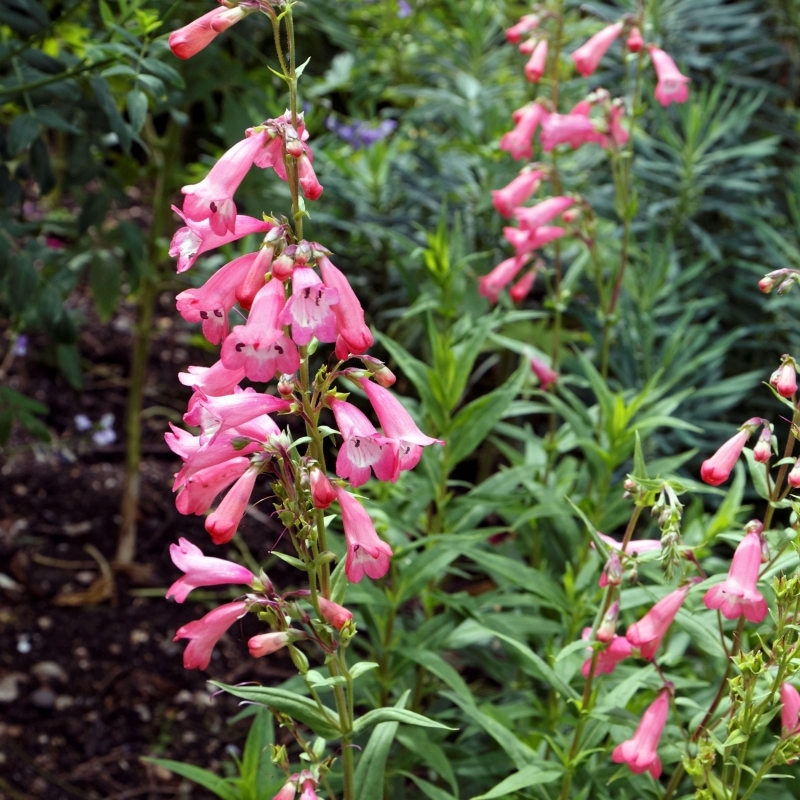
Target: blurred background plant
[407,102]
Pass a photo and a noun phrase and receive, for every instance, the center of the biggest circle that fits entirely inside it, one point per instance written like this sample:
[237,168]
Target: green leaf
[294,705]
[639,468]
[105,280]
[533,775]
[428,789]
[106,100]
[136,103]
[758,474]
[22,281]
[41,167]
[437,666]
[260,777]
[363,666]
[163,71]
[22,132]
[475,421]
[378,715]
[369,777]
[221,787]
[93,211]
[69,362]
[430,753]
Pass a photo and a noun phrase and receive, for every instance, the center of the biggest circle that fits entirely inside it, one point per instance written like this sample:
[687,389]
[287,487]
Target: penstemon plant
[297,301]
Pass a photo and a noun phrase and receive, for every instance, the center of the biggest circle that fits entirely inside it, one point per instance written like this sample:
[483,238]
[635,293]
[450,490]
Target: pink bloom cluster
[290,294]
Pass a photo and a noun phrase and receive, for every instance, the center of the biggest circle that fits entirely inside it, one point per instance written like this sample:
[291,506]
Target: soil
[88,688]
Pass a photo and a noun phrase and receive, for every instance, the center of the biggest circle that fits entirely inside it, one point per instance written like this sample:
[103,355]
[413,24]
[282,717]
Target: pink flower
[790,710]
[363,447]
[635,41]
[793,478]
[398,425]
[647,633]
[309,792]
[526,241]
[537,63]
[490,285]
[546,374]
[527,24]
[205,633]
[763,449]
[531,218]
[635,547]
[738,596]
[212,198]
[311,187]
[216,414]
[200,488]
[322,494]
[618,133]
[784,379]
[518,141]
[607,659]
[202,571]
[196,238]
[572,129]
[215,381]
[671,87]
[224,521]
[192,38]
[256,276]
[366,553]
[517,192]
[639,753]
[287,792]
[715,470]
[334,614]
[354,336]
[260,346]
[310,308]
[521,289]
[588,55]
[267,643]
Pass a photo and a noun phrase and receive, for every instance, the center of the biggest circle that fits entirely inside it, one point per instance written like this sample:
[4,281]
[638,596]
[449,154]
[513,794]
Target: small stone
[49,670]
[85,576]
[115,649]
[9,689]
[43,698]
[138,637]
[183,696]
[23,644]
[45,623]
[63,702]
[77,528]
[143,711]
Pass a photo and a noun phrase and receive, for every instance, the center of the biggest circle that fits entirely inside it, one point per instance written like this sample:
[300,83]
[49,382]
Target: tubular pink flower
[607,659]
[199,489]
[366,553]
[211,303]
[636,547]
[212,198]
[250,285]
[587,56]
[287,792]
[526,241]
[518,141]
[738,596]
[196,238]
[672,86]
[572,129]
[216,414]
[215,381]
[615,128]
[223,522]
[354,336]
[310,308]
[784,379]
[544,372]
[647,633]
[790,710]
[397,424]
[192,38]
[334,614]
[517,192]
[311,187]
[635,41]
[537,63]
[206,632]
[260,347]
[521,289]
[715,470]
[363,447]
[527,24]
[267,643]
[202,570]
[322,494]
[490,285]
[309,790]
[793,478]
[639,753]
[531,218]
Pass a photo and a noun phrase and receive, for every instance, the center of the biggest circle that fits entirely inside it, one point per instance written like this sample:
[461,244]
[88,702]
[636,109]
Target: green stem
[62,76]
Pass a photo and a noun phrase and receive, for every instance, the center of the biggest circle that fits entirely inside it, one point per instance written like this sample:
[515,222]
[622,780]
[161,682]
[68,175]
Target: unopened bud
[286,385]
[784,379]
[793,478]
[294,147]
[255,278]
[322,493]
[786,285]
[763,449]
[570,215]
[334,614]
[754,526]
[283,265]
[303,254]
[613,570]
[529,45]
[635,41]
[764,549]
[608,627]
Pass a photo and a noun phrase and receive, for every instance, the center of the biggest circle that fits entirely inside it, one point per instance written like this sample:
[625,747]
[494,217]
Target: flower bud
[294,147]
[754,526]
[286,385]
[283,265]
[608,627]
[766,284]
[793,478]
[784,379]
[381,374]
[635,41]
[763,449]
[303,254]
[613,571]
[786,285]
[528,46]
[334,614]
[764,549]
[322,494]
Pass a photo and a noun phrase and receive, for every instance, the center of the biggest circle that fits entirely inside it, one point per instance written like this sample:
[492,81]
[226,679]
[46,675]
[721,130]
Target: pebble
[63,702]
[43,698]
[9,688]
[49,670]
[23,644]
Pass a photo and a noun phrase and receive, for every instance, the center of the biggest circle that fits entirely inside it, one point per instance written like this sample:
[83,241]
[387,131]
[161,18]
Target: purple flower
[403,9]
[358,133]
[82,422]
[21,346]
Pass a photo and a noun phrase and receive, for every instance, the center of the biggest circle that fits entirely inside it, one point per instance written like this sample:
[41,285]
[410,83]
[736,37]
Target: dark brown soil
[87,689]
